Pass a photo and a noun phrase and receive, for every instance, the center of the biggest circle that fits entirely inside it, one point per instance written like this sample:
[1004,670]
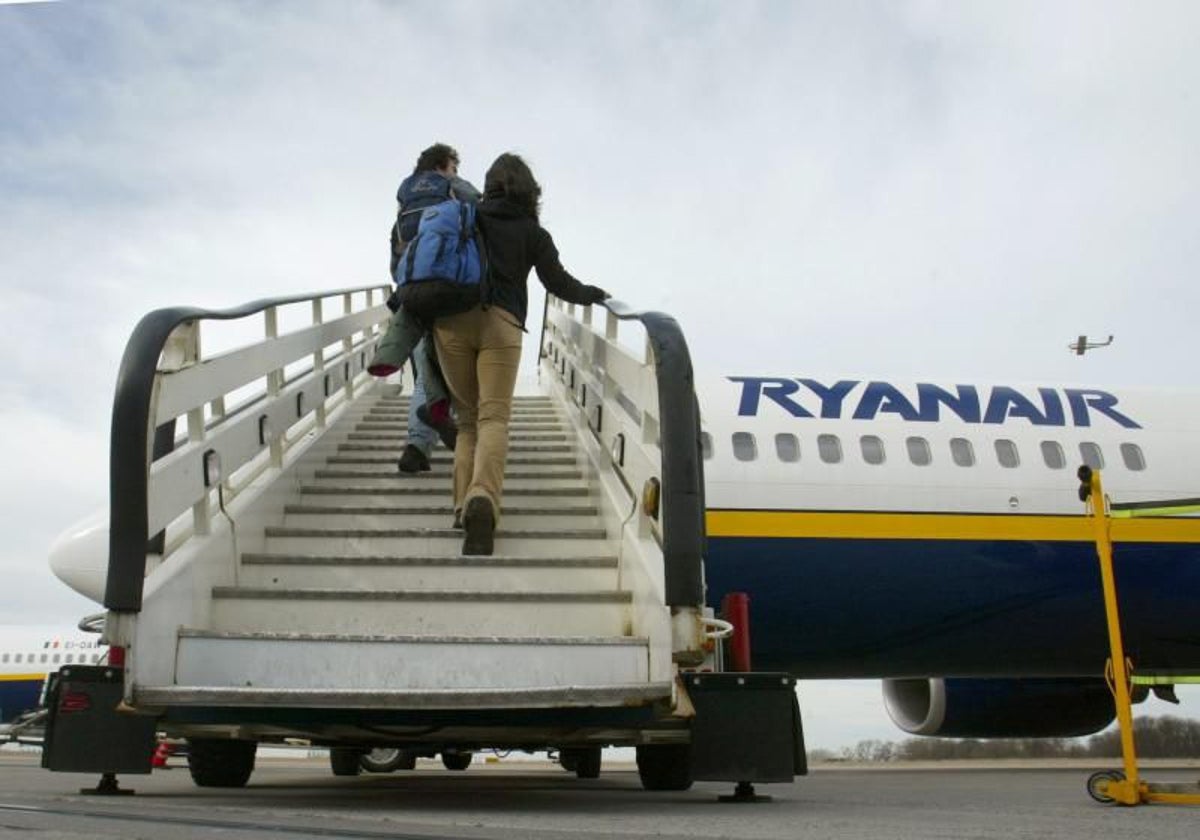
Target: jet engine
[999,708]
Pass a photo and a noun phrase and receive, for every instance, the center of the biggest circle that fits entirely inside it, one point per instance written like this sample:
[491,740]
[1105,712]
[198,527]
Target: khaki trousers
[480,351]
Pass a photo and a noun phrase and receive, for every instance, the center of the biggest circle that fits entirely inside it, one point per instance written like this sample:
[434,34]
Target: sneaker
[413,460]
[479,521]
[436,415]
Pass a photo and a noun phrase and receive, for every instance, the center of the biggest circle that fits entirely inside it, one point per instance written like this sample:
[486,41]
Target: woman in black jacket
[480,350]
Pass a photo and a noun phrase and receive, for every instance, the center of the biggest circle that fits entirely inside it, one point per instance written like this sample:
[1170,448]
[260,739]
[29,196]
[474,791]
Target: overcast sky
[935,189]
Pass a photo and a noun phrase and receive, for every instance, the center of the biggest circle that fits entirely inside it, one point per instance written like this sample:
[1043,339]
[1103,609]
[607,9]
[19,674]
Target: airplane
[27,655]
[929,534]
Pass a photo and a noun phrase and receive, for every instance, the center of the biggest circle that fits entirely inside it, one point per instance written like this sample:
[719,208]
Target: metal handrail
[131,437]
[684,535]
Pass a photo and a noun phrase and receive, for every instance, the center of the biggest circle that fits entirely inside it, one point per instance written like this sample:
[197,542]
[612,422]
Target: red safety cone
[159,762]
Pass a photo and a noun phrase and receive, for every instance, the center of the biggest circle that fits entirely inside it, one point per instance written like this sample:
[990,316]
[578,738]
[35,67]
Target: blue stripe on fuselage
[840,608]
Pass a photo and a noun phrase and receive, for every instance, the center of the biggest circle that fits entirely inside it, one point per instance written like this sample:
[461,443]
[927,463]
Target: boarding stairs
[268,555]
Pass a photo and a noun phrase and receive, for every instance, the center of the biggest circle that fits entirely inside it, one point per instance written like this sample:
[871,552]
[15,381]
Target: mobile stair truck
[271,577]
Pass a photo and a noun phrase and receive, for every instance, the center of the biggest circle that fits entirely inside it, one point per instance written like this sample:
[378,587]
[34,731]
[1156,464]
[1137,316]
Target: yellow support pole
[1131,790]
[1127,792]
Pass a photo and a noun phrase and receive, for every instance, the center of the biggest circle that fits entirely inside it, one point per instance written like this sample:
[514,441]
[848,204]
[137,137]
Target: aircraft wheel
[387,759]
[1093,785]
[454,760]
[217,762]
[665,766]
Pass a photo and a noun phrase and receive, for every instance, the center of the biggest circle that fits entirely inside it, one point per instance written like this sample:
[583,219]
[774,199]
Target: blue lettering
[1081,400]
[1052,402]
[776,390]
[965,403]
[831,397]
[879,397]
[1008,402]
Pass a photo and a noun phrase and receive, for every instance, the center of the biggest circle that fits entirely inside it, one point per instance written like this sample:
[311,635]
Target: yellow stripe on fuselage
[21,677]
[941,526]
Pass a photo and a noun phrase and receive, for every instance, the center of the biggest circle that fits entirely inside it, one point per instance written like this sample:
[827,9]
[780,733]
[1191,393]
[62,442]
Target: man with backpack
[434,182]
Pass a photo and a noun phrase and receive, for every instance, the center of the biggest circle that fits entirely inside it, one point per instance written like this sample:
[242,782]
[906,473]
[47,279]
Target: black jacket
[515,244]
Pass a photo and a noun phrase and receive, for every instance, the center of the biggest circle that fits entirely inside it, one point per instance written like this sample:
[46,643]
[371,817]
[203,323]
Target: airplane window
[829,448]
[706,445]
[4,659]
[44,657]
[962,452]
[1091,455]
[787,447]
[1006,453]
[872,449]
[1131,454]
[56,658]
[744,447]
[70,658]
[919,452]
[1053,455]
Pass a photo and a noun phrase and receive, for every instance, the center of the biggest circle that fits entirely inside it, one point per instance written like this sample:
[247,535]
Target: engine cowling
[999,708]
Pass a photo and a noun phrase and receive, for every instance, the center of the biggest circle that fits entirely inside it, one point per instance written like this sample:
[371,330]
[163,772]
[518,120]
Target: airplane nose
[79,556]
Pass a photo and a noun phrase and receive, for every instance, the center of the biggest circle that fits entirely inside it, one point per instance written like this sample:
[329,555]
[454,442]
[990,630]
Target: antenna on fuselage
[1082,345]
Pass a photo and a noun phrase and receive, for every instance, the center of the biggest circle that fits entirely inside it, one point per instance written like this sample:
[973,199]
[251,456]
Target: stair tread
[549,533]
[401,510]
[494,560]
[199,633]
[423,490]
[261,593]
[530,697]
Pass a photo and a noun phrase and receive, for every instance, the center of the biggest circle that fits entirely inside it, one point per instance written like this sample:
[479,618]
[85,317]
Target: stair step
[439,456]
[441,542]
[407,663]
[422,612]
[422,489]
[513,428]
[538,437]
[496,573]
[396,446]
[375,516]
[391,472]
[354,506]
[401,415]
[622,696]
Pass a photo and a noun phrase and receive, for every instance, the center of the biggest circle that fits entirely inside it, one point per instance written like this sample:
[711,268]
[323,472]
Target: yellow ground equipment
[1117,786]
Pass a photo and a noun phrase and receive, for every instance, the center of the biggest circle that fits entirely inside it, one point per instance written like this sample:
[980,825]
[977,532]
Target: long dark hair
[511,178]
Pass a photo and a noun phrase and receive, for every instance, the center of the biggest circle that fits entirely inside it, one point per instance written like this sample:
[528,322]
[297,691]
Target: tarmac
[298,798]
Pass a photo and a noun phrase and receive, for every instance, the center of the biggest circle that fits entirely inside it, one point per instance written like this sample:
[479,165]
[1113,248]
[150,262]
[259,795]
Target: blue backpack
[447,247]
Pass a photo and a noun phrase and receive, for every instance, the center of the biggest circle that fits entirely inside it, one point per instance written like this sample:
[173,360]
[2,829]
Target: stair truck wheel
[344,760]
[217,762]
[584,762]
[665,766]
[387,759]
[455,760]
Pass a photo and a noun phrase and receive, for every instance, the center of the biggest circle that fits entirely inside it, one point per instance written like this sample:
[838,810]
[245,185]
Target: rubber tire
[1106,775]
[665,766]
[456,760]
[221,763]
[387,760]
[584,762]
[344,761]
